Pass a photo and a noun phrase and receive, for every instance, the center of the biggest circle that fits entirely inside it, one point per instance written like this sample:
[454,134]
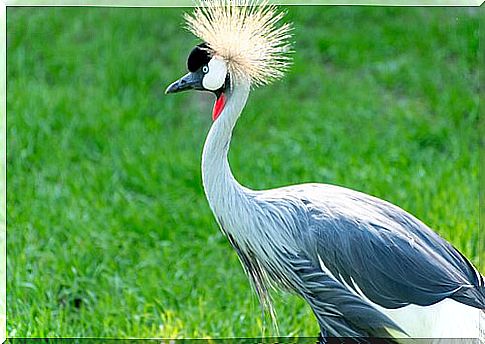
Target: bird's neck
[220,186]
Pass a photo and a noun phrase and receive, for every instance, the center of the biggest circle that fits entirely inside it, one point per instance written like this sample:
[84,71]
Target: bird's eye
[205,69]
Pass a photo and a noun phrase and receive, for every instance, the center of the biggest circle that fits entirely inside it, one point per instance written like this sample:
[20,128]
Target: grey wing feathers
[339,311]
[393,258]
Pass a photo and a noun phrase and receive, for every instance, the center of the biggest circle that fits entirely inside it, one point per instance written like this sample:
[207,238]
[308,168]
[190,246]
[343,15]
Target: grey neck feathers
[220,185]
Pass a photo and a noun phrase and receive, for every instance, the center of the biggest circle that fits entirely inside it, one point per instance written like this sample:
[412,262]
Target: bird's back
[384,255]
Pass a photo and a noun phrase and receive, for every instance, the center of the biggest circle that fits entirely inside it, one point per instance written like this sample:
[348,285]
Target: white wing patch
[215,77]
[445,319]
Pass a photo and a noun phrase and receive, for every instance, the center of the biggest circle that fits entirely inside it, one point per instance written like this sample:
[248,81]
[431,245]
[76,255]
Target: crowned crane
[366,267]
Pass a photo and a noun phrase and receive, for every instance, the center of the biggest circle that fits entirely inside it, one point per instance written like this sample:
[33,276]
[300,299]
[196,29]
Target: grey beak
[190,81]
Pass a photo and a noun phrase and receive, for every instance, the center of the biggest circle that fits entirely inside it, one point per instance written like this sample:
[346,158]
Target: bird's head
[207,72]
[242,42]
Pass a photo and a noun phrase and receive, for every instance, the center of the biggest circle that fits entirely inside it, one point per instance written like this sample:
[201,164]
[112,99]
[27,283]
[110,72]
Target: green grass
[109,231]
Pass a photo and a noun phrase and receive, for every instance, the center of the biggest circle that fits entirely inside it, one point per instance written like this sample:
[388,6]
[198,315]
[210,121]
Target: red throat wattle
[218,106]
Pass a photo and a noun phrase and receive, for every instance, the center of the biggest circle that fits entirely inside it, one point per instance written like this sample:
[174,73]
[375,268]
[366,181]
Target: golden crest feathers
[245,34]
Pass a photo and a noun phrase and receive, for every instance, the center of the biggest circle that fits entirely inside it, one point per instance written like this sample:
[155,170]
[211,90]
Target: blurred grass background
[109,231]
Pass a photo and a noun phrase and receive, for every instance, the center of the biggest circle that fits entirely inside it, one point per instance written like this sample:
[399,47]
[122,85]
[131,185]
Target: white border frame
[123,3]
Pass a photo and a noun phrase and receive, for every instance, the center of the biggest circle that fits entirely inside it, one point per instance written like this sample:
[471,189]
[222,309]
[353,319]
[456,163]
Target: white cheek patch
[216,76]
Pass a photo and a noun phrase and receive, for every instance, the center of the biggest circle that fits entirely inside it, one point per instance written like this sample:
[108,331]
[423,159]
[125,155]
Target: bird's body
[382,266]
[366,267]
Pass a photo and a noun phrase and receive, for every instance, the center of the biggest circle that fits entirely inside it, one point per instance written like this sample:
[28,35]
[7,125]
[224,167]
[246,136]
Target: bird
[366,267]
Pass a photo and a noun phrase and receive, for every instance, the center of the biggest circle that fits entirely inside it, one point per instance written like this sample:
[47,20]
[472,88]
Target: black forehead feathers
[198,57]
